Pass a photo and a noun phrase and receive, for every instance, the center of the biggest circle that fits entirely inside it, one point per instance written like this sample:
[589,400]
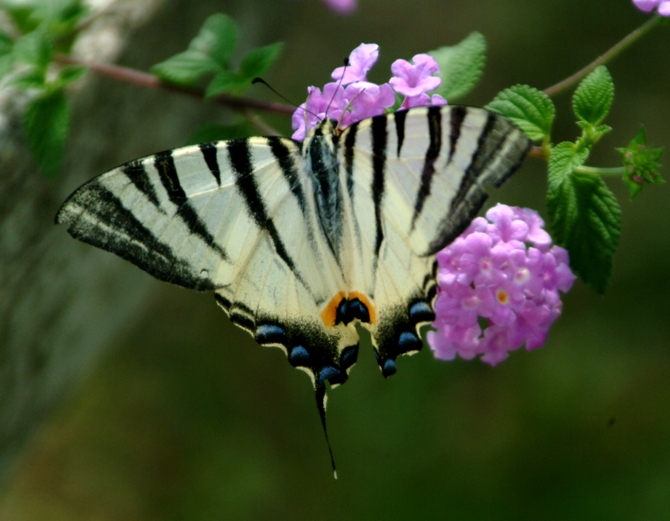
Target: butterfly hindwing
[420,178]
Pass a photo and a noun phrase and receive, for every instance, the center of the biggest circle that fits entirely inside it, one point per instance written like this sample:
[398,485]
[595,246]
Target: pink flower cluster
[498,287]
[351,97]
[649,5]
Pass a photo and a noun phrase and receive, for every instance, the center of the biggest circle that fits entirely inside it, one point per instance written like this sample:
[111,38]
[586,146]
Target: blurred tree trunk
[59,301]
[62,302]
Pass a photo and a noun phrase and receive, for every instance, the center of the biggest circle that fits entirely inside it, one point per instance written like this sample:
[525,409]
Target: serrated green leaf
[216,132]
[593,97]
[225,82]
[45,124]
[586,220]
[565,157]
[185,68]
[530,109]
[33,48]
[461,66]
[216,38]
[257,61]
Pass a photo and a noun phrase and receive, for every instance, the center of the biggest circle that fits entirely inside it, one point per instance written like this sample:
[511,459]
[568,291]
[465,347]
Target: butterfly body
[302,241]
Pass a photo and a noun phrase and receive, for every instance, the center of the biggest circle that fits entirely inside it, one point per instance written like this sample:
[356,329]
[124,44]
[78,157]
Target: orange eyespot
[366,302]
[329,314]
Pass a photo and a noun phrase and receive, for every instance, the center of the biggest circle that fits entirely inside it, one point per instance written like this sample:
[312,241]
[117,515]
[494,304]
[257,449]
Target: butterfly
[302,241]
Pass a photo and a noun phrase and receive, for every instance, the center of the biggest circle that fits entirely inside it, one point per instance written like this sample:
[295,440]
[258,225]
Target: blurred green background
[187,418]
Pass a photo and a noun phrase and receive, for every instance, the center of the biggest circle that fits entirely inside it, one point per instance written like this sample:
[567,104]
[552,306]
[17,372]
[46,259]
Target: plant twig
[609,55]
[143,79]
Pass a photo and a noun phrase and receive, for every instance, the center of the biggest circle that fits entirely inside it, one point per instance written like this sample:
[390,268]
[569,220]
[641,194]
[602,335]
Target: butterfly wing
[418,178]
[234,217]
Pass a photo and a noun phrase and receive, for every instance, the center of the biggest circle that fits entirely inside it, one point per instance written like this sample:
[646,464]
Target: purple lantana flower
[352,97]
[649,5]
[413,81]
[499,286]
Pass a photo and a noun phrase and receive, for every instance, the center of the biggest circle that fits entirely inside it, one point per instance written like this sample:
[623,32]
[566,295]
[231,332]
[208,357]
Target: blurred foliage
[190,419]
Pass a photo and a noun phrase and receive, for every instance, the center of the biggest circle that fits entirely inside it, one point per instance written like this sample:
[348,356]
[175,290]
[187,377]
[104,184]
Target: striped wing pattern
[300,241]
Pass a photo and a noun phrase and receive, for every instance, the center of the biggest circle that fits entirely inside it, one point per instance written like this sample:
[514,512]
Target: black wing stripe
[434,147]
[137,174]
[349,144]
[456,117]
[486,148]
[167,172]
[240,161]
[471,195]
[399,118]
[124,235]
[209,154]
[164,163]
[287,165]
[379,138]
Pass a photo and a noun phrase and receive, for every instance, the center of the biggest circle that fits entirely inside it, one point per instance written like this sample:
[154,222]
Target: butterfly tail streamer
[320,393]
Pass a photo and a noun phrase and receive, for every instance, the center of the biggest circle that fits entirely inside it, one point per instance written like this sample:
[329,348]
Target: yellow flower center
[502,296]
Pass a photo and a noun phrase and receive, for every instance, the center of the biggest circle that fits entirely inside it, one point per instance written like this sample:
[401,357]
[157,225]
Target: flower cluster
[351,97]
[649,5]
[498,287]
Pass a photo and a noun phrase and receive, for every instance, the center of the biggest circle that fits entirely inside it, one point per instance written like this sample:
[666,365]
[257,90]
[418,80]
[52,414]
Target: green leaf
[461,66]
[59,16]
[565,157]
[641,163]
[216,38]
[530,109]
[70,73]
[185,68]
[207,53]
[216,132]
[6,44]
[33,48]
[45,124]
[22,15]
[30,77]
[257,61]
[584,214]
[593,97]
[223,82]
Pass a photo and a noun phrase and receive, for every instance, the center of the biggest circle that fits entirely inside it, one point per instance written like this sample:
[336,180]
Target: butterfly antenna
[321,406]
[350,104]
[344,70]
[304,109]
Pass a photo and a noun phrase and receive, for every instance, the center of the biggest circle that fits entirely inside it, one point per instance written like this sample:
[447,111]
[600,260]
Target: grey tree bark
[60,300]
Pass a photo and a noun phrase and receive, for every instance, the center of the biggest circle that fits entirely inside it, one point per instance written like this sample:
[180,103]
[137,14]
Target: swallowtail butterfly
[301,241]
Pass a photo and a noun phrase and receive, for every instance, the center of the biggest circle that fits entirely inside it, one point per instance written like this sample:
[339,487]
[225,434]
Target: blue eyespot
[298,356]
[270,334]
[389,368]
